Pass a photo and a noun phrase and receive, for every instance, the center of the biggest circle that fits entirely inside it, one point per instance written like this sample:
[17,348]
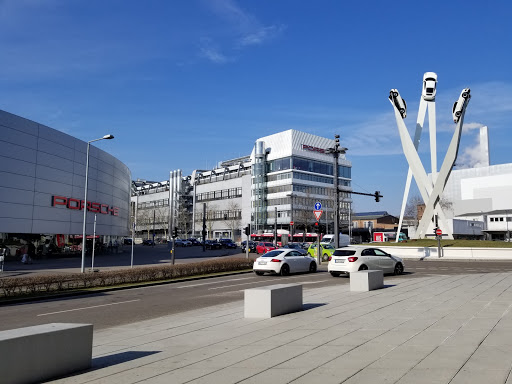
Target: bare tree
[234,218]
[411,209]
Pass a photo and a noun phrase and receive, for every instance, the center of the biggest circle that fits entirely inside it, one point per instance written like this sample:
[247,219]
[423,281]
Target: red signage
[313,149]
[76,204]
[291,222]
[439,232]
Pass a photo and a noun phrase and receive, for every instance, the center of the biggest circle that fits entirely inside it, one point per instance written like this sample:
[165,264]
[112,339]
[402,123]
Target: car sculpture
[429,86]
[399,103]
[460,104]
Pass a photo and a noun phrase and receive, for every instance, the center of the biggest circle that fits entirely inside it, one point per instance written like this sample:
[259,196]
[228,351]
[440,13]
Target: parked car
[399,103]
[252,246]
[429,86]
[228,243]
[264,247]
[194,241]
[326,250]
[182,243]
[127,241]
[212,244]
[296,246]
[459,105]
[351,259]
[148,242]
[283,262]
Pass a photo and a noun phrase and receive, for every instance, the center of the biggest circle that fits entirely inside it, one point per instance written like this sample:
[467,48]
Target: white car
[352,259]
[459,105]
[429,86]
[284,261]
[399,103]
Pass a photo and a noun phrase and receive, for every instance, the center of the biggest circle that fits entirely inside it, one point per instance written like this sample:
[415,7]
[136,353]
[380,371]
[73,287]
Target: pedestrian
[116,245]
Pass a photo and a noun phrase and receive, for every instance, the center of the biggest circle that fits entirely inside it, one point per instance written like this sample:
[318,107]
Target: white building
[277,184]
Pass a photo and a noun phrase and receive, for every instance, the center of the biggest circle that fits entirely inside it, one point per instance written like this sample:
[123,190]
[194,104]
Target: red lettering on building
[76,204]
[313,149]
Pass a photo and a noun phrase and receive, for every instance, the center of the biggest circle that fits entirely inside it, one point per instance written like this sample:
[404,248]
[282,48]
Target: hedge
[34,285]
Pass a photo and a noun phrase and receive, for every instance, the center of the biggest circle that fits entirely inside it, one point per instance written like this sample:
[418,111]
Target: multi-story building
[276,186]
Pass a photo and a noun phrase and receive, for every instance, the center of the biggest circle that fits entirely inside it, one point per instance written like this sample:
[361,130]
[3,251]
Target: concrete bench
[42,352]
[366,280]
[273,300]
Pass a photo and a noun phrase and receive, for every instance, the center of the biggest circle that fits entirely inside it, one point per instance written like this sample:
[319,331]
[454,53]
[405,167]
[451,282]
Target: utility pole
[336,150]
[275,229]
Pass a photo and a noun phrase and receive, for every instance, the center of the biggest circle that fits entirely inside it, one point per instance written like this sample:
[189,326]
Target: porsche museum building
[42,188]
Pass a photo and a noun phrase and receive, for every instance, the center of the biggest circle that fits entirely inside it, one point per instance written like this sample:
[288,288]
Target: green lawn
[450,243]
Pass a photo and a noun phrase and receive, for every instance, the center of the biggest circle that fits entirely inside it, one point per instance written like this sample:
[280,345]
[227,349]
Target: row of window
[153,204]
[307,177]
[221,215]
[220,194]
[308,165]
[496,219]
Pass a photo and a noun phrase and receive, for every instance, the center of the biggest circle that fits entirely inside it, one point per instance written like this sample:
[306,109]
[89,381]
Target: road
[114,308]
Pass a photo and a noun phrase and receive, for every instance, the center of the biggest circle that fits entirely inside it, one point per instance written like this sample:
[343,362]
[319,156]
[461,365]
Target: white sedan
[460,104]
[351,259]
[284,261]
[429,86]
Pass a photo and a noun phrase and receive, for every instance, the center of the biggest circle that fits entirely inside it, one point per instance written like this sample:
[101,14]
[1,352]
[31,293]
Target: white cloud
[261,35]
[472,156]
[211,52]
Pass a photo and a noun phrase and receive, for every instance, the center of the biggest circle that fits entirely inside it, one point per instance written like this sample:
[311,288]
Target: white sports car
[399,103]
[352,259]
[458,106]
[284,261]
[429,86]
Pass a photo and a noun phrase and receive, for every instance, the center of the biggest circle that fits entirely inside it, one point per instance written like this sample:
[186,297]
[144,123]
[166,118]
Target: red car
[264,247]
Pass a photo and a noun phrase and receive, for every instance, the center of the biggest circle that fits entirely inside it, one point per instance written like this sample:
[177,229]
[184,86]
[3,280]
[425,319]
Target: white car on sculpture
[399,103]
[459,105]
[429,86]
[284,261]
[360,258]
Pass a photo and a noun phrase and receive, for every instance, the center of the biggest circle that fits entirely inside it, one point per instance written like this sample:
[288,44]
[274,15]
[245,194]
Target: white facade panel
[15,151]
[64,140]
[18,167]
[52,148]
[51,174]
[18,137]
[15,211]
[15,182]
[20,196]
[56,162]
[9,120]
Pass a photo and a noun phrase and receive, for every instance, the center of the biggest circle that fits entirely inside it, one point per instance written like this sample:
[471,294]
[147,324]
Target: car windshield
[269,245]
[275,253]
[430,90]
[344,252]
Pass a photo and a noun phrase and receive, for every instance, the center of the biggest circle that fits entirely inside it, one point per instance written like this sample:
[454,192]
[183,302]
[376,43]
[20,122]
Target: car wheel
[285,270]
[395,94]
[335,274]
[399,269]
[312,267]
[325,257]
[464,95]
[259,273]
[363,268]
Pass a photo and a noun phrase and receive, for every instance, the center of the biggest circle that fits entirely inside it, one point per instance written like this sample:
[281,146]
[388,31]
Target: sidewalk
[441,329]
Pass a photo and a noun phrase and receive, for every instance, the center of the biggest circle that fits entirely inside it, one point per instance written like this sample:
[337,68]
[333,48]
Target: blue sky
[185,84]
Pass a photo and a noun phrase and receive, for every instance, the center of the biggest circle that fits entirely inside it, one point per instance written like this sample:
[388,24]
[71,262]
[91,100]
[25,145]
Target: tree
[234,218]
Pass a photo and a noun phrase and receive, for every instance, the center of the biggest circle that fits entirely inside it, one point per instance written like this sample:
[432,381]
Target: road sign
[318,206]
[439,232]
[317,213]
[291,222]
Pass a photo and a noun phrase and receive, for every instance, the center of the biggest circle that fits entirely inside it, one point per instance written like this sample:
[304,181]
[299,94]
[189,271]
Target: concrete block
[366,280]
[273,300]
[42,352]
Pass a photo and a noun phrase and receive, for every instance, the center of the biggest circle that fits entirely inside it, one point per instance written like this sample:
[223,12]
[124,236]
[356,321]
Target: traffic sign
[291,222]
[439,232]
[317,213]
[318,206]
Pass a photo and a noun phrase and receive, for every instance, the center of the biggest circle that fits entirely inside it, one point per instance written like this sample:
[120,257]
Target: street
[108,309]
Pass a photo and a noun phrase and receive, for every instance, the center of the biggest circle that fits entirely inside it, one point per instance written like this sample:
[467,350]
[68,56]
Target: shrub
[32,285]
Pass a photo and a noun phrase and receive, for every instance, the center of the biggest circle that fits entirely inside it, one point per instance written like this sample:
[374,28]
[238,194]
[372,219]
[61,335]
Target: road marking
[257,281]
[214,282]
[81,309]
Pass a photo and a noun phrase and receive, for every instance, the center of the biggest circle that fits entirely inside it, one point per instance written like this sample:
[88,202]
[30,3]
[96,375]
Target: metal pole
[82,270]
[275,228]
[133,241]
[247,244]
[337,199]
[291,215]
[204,227]
[93,243]
[153,228]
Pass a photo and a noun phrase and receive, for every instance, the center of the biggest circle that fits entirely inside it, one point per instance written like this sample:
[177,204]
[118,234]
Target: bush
[34,285]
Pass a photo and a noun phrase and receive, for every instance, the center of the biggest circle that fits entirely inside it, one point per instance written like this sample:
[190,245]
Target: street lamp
[106,137]
[291,195]
[336,151]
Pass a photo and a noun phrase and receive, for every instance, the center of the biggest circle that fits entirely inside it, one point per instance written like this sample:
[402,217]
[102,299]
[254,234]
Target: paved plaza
[435,329]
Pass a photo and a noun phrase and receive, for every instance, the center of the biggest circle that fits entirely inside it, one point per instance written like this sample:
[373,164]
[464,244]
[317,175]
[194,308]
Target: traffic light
[377,196]
[175,232]
[247,230]
[435,231]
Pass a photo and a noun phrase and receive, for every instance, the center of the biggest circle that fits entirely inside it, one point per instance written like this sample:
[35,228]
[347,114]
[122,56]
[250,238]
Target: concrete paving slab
[478,376]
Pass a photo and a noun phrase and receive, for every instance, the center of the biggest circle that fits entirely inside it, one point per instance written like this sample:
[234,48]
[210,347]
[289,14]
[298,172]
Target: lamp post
[336,151]
[106,137]
[291,196]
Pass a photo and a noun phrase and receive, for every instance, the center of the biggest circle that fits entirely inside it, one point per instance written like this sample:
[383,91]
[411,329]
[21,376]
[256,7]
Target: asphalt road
[114,308]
